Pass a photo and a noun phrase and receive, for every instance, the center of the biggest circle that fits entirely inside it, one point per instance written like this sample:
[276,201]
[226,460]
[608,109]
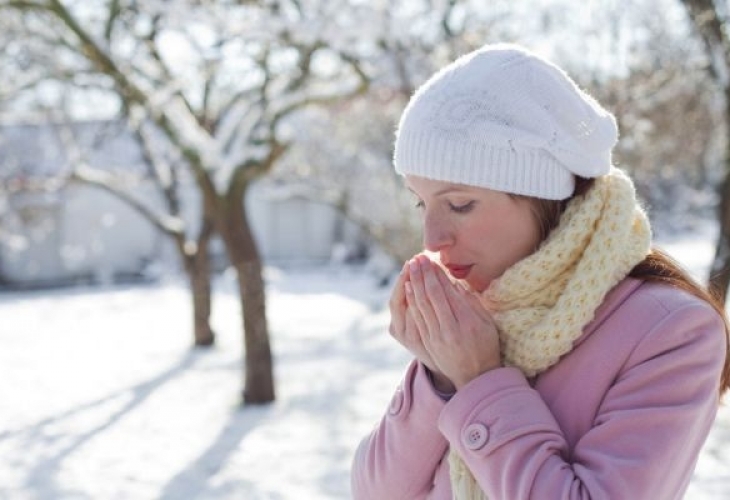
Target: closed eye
[462,209]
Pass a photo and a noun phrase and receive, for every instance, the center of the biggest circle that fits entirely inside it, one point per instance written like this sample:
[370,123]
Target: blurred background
[199,221]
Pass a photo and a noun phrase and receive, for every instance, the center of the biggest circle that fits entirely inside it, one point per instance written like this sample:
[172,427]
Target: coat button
[475,436]
[396,403]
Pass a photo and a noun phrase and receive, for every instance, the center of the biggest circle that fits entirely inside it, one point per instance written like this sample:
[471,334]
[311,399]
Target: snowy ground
[101,397]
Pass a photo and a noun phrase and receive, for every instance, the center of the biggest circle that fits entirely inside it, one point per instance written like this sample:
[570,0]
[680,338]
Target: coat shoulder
[664,315]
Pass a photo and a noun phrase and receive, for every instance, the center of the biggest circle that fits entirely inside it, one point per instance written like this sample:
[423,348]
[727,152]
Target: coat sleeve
[400,457]
[644,441]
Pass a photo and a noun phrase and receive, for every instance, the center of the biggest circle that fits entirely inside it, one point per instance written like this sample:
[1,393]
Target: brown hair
[657,267]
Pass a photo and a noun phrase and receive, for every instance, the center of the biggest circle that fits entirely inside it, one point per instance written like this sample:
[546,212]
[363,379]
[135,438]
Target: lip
[459,272]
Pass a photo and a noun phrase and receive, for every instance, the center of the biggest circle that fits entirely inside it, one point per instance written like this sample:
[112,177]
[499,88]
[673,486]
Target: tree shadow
[192,482]
[41,479]
[340,390]
[195,480]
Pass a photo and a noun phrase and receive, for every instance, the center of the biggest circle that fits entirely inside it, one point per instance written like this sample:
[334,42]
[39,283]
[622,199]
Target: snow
[102,397]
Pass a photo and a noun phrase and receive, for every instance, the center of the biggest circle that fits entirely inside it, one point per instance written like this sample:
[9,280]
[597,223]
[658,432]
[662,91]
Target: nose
[436,233]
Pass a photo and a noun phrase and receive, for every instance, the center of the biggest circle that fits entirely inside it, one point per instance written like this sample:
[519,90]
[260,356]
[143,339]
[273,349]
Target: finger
[412,331]
[436,290]
[414,313]
[421,298]
[476,302]
[451,291]
[471,308]
[398,304]
[398,296]
[464,303]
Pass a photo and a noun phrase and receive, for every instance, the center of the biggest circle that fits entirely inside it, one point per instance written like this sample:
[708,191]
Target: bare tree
[633,58]
[347,155]
[665,104]
[352,171]
[191,240]
[29,57]
[219,80]
[710,21]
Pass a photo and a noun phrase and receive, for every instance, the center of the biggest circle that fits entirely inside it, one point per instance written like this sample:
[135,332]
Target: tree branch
[305,63]
[128,91]
[94,53]
[22,5]
[706,21]
[114,11]
[168,224]
[328,98]
[160,169]
[81,171]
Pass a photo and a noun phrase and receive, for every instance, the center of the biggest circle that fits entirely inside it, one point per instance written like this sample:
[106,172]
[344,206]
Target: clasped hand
[443,325]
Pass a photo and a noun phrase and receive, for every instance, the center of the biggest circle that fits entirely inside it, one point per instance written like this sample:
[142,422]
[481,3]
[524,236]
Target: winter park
[201,227]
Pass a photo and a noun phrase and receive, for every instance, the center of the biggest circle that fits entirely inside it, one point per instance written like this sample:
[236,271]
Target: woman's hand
[457,332]
[404,329]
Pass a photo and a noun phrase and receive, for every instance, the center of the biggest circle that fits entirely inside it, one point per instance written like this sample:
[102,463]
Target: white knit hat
[505,119]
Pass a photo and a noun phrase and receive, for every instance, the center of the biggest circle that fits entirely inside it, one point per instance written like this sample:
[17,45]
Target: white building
[80,232]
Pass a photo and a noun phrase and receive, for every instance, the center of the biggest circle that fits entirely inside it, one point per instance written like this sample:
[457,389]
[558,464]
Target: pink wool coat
[622,416]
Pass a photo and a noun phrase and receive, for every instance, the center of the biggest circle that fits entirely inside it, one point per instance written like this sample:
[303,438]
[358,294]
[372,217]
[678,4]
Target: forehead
[432,187]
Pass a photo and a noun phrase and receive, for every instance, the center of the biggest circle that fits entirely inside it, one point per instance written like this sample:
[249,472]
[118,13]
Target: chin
[477,285]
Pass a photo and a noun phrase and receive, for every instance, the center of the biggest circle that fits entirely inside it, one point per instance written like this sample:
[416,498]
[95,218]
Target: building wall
[292,229]
[79,233]
[84,233]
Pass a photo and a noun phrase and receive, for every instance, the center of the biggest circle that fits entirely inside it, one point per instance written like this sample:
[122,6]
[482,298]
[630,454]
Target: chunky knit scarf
[542,303]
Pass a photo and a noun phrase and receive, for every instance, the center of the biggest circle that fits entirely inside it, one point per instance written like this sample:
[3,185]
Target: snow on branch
[164,222]
[82,172]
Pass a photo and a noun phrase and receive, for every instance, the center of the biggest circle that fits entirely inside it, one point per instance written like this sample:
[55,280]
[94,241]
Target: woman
[557,355]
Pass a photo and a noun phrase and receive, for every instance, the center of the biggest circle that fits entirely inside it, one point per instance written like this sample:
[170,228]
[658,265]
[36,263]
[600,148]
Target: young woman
[557,355]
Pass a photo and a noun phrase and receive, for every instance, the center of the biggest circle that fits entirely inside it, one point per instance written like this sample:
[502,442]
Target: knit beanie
[506,119]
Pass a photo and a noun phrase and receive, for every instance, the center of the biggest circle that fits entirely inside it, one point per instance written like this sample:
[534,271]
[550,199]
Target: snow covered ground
[102,398]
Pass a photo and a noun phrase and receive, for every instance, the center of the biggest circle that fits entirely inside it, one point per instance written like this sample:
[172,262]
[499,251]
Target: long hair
[657,267]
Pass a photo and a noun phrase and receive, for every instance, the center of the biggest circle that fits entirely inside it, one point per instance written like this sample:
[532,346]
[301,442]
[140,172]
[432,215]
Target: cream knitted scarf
[542,303]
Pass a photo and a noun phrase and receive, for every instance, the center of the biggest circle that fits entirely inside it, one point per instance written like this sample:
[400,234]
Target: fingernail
[414,265]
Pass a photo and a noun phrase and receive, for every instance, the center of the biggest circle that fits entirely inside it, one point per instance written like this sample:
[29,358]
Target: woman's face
[478,233]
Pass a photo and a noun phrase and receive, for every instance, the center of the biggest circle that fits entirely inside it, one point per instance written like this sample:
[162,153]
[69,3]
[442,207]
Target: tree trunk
[258,383]
[720,270]
[196,263]
[711,28]
[199,277]
[200,285]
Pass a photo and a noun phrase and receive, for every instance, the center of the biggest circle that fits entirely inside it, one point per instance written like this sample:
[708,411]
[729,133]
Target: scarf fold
[542,302]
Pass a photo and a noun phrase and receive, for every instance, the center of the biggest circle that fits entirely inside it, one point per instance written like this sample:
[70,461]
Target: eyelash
[459,209]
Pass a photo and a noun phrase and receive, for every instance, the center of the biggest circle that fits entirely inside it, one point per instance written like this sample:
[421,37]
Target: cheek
[506,240]
[524,239]
[527,234]
[522,226]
